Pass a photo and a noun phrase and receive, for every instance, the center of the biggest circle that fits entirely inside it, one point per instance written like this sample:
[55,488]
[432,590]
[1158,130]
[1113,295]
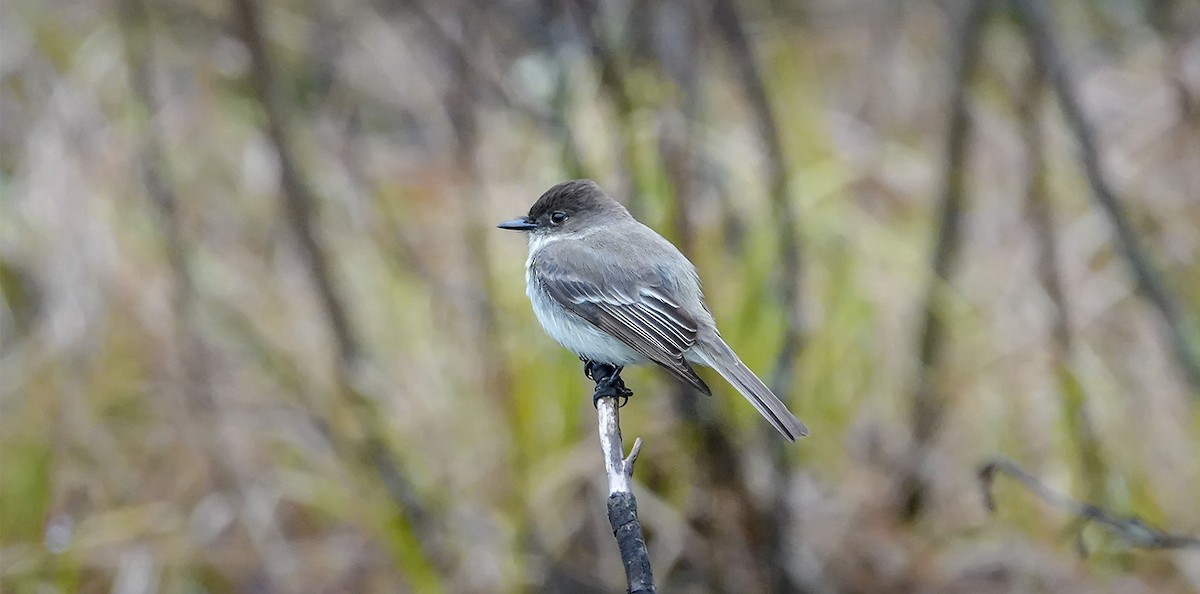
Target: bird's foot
[608,382]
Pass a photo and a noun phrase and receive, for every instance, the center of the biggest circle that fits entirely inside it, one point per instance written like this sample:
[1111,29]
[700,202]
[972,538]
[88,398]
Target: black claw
[589,368]
[608,382]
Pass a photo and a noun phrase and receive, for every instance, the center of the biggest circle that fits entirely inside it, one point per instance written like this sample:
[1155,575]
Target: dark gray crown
[573,197]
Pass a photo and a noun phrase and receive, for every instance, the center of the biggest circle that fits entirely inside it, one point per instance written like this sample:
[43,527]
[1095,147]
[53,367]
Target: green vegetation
[259,334]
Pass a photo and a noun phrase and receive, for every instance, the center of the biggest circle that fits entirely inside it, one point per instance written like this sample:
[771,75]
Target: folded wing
[634,308]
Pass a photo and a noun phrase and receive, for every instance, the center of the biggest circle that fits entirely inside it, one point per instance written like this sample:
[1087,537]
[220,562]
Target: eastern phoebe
[616,293]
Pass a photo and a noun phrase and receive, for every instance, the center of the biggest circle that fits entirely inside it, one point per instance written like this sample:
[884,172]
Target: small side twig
[1131,529]
[622,505]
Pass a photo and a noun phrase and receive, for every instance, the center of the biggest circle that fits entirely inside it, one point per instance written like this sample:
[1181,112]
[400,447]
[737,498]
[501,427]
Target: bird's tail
[719,356]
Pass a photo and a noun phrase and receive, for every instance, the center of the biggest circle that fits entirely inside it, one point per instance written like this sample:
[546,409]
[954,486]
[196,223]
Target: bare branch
[618,468]
[1131,529]
[622,505]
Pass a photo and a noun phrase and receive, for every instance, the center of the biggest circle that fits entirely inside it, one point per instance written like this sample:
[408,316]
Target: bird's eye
[558,217]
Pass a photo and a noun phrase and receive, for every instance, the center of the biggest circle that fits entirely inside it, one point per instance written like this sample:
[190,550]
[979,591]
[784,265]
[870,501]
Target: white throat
[539,241]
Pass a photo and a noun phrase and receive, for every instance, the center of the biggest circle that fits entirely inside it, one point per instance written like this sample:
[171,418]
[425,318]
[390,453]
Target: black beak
[521,224]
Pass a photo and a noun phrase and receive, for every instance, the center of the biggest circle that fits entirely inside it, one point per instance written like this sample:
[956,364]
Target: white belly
[575,333]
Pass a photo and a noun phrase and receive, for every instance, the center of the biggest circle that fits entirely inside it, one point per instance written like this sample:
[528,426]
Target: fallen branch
[622,505]
[1132,530]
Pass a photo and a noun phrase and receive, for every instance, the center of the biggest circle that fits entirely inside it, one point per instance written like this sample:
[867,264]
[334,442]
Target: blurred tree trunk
[1039,211]
[299,209]
[614,83]
[1039,26]
[929,402]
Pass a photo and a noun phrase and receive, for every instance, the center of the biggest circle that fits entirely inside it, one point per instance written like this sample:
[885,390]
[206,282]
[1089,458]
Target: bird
[616,293]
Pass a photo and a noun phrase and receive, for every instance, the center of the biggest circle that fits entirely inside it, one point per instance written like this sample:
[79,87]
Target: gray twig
[622,505]
[1131,529]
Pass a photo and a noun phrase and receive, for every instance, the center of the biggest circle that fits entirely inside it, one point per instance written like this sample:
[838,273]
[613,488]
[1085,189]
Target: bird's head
[567,208]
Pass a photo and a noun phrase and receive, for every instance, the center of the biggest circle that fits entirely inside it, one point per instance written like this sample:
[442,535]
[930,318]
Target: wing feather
[636,310]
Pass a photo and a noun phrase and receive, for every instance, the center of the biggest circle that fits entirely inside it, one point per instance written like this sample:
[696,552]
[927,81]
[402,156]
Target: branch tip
[633,455]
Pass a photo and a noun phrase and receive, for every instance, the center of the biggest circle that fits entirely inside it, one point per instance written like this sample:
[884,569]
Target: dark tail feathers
[722,358]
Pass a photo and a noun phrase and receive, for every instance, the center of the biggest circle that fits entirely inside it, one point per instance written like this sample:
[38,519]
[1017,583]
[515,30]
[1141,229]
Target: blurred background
[261,335]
